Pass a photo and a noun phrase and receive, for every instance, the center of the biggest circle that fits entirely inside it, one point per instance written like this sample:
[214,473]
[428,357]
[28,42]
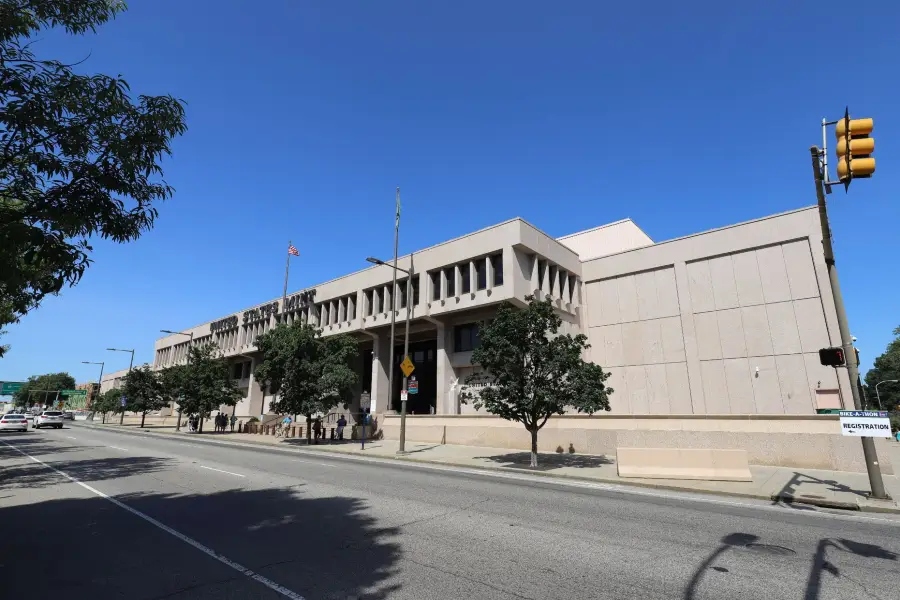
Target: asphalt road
[115,515]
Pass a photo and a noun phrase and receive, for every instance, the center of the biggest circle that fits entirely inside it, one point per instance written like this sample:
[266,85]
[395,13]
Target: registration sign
[865,423]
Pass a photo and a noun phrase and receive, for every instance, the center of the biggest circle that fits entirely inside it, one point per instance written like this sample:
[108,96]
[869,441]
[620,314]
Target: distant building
[92,391]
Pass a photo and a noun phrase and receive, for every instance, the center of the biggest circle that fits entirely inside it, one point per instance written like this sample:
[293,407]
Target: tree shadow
[750,542]
[788,495]
[35,475]
[326,547]
[548,462]
[33,445]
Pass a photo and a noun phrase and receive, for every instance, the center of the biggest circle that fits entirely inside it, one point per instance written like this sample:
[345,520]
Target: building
[728,321]
[92,390]
[113,380]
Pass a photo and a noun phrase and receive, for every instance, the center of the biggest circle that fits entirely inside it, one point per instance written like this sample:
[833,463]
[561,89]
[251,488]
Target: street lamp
[877,395]
[130,364]
[409,276]
[190,342]
[99,381]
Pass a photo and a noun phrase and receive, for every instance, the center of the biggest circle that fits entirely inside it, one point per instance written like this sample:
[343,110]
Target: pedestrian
[341,423]
[317,428]
[233,421]
[218,422]
[222,422]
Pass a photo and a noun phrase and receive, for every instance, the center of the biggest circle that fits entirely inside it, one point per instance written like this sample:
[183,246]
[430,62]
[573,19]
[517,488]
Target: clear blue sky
[304,116]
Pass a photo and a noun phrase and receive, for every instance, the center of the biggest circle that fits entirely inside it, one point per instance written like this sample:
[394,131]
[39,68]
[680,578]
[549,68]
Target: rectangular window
[465,337]
[415,290]
[370,302]
[466,279]
[481,273]
[542,272]
[351,308]
[553,283]
[401,292]
[379,300]
[450,275]
[497,267]
[573,293]
[246,372]
[435,285]
[238,370]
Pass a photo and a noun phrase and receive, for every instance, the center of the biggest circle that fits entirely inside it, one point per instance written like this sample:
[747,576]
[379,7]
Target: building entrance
[423,356]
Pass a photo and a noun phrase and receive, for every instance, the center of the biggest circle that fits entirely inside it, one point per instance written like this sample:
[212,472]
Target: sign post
[8,388]
[865,423]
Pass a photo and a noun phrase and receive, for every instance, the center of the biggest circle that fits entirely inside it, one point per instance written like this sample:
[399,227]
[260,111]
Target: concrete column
[473,280]
[535,274]
[445,402]
[564,288]
[545,284]
[442,281]
[254,394]
[489,272]
[380,366]
[387,302]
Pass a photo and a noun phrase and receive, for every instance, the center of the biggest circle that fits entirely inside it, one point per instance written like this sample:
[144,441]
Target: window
[351,308]
[542,271]
[401,291]
[480,273]
[465,337]
[370,302]
[435,285]
[466,280]
[450,275]
[245,374]
[415,290]
[238,370]
[497,268]
[552,286]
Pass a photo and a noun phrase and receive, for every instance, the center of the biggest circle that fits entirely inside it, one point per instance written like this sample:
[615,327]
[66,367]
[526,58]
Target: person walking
[317,428]
[341,423]
[233,421]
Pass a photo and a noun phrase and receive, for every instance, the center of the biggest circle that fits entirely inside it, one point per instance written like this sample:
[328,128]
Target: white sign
[403,396]
[865,423]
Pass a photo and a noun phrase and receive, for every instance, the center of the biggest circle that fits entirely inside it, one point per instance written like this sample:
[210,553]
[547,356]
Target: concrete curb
[858,506]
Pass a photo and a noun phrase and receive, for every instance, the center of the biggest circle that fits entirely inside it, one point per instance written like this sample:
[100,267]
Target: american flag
[293,251]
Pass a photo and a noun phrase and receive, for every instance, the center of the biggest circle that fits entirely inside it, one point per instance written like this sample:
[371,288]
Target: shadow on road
[749,542]
[326,547]
[810,485]
[548,462]
[35,475]
[35,445]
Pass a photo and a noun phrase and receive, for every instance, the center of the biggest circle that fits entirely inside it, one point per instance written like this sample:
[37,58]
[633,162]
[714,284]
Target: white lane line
[71,437]
[221,471]
[122,449]
[205,549]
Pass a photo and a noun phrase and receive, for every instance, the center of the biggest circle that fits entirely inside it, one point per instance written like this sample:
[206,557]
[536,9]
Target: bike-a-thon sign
[865,423]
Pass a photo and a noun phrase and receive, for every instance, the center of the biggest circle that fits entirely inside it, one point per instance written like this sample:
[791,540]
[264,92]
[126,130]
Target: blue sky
[304,116]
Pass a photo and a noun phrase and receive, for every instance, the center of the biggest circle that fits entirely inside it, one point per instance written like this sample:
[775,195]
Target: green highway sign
[8,388]
[73,393]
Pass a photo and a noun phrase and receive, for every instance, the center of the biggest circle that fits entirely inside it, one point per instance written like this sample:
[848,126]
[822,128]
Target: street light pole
[99,381]
[191,343]
[394,302]
[130,365]
[876,482]
[878,395]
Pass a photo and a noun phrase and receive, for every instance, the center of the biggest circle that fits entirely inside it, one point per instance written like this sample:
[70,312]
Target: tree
[143,391]
[172,379]
[78,158]
[885,368]
[109,401]
[205,382]
[311,373]
[41,389]
[531,372]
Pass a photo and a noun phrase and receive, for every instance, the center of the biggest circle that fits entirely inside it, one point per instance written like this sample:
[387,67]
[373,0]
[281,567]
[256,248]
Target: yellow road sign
[407,367]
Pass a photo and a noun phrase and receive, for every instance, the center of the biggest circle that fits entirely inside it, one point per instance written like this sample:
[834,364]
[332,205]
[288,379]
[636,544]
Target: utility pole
[405,394]
[876,482]
[393,306]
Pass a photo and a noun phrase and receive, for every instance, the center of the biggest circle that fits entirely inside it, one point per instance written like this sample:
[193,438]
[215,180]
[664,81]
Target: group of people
[316,425]
[222,422]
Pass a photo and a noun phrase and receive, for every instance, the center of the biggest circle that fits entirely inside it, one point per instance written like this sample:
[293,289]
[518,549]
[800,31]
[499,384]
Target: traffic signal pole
[871,456]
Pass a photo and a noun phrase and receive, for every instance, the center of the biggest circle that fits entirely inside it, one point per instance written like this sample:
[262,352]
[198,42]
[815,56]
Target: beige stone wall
[811,441]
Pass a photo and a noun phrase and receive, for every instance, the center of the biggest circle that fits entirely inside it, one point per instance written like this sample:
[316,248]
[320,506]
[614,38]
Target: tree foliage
[531,372]
[886,367]
[311,373]
[79,159]
[109,401]
[204,383]
[31,392]
[143,391]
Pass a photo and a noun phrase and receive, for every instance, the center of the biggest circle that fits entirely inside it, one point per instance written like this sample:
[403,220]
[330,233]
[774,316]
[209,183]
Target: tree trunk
[143,416]
[200,429]
[534,455]
[308,429]
[104,418]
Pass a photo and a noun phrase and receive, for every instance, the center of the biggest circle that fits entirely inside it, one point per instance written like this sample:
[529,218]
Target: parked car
[14,421]
[69,415]
[49,418]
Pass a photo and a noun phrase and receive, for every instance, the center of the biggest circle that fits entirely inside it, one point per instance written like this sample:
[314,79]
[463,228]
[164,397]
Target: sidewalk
[831,489]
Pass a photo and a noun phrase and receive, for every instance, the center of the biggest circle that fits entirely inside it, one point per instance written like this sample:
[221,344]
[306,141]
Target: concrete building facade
[724,322]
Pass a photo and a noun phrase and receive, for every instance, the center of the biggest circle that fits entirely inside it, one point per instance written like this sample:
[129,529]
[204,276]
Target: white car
[49,418]
[13,421]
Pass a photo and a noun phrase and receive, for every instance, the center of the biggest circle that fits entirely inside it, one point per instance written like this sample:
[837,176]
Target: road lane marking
[221,471]
[187,540]
[117,448]
[71,437]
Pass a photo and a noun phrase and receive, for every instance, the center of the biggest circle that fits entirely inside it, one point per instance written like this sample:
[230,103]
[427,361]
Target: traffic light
[832,357]
[854,148]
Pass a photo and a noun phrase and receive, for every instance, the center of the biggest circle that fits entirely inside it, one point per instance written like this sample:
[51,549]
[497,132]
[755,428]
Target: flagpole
[287,268]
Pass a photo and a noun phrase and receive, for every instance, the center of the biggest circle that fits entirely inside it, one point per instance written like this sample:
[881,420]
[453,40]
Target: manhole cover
[770,549]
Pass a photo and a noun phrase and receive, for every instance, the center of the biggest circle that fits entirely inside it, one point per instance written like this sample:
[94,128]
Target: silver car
[13,421]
